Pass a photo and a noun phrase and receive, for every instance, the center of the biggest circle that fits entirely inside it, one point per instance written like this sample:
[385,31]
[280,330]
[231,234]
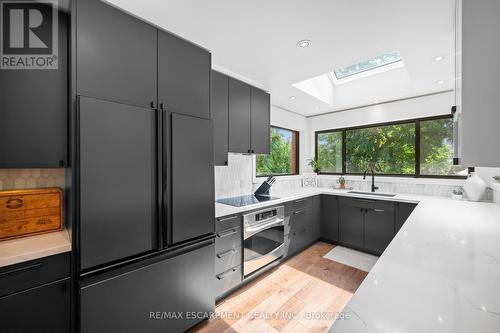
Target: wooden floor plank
[300,295]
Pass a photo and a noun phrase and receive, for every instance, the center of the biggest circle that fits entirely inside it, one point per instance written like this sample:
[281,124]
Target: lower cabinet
[379,228]
[303,225]
[228,255]
[168,295]
[41,309]
[351,222]
[403,211]
[330,218]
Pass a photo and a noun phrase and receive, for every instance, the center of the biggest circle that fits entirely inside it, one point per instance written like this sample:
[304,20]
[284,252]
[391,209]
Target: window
[418,148]
[368,65]
[391,148]
[284,157]
[329,151]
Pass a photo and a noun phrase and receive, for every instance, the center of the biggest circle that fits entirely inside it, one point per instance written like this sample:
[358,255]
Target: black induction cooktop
[245,200]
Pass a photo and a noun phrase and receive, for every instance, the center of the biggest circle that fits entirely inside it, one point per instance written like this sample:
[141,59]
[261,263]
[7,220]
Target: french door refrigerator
[145,218]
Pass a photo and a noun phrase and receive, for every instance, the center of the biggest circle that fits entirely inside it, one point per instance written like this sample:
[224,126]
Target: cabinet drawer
[299,219]
[228,279]
[302,203]
[42,309]
[228,239]
[227,222]
[226,259]
[33,273]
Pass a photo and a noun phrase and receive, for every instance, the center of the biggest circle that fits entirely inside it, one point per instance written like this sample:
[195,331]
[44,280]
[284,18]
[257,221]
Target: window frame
[297,152]
[415,121]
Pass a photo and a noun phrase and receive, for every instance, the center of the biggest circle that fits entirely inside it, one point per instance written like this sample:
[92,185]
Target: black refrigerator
[145,218]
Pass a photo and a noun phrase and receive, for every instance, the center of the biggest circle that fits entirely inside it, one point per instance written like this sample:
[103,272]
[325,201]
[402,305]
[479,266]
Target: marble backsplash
[15,179]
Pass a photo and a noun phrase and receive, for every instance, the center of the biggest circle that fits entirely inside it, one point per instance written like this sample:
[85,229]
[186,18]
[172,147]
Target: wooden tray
[30,212]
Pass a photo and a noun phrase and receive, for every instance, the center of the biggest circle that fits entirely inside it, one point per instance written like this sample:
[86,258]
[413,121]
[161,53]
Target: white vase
[474,187]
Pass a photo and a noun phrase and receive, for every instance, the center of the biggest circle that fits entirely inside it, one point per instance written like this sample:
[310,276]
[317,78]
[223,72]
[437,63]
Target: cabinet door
[183,76]
[141,299]
[193,210]
[41,309]
[330,217]
[350,224]
[316,218]
[33,112]
[403,211]
[239,117]
[117,148]
[220,115]
[379,229]
[260,121]
[116,55]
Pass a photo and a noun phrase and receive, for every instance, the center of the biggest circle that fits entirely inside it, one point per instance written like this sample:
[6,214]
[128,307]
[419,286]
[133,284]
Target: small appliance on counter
[30,212]
[260,195]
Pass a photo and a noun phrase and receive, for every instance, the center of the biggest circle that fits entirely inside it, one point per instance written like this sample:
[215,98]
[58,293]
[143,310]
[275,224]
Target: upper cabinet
[219,109]
[480,105]
[260,119]
[239,116]
[249,119]
[183,76]
[116,55]
[33,111]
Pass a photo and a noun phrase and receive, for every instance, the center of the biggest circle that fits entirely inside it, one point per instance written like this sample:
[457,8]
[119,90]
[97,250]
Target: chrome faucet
[373,179]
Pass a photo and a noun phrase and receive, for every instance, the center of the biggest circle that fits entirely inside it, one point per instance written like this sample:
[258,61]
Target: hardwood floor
[301,295]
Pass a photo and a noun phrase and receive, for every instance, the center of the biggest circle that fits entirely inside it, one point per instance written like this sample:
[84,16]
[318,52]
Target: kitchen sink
[390,195]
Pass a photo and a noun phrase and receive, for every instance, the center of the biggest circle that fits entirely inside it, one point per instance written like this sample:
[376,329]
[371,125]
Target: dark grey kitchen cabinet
[351,222]
[260,119]
[239,116]
[33,112]
[220,115]
[330,218]
[116,55]
[141,298]
[403,211]
[118,151]
[379,228]
[315,219]
[192,178]
[183,76]
[45,308]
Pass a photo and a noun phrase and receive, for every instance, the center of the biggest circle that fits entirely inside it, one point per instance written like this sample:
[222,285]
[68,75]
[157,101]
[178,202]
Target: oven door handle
[249,231]
[277,252]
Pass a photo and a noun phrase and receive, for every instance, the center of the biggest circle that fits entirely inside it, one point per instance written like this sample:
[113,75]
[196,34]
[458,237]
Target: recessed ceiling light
[303,43]
[438,58]
[440,82]
[292,97]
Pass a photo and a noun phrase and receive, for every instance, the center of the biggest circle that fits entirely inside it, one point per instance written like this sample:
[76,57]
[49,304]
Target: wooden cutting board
[30,212]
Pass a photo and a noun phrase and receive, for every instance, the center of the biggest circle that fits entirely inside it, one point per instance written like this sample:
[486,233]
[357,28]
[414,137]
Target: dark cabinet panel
[330,217]
[379,229]
[220,116]
[228,249]
[33,273]
[33,112]
[228,279]
[403,211]
[131,301]
[116,55]
[260,120]
[183,76]
[117,148]
[316,218]
[42,309]
[350,223]
[193,210]
[239,117]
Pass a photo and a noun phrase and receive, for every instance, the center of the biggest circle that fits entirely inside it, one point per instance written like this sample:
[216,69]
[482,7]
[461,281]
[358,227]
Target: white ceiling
[256,41]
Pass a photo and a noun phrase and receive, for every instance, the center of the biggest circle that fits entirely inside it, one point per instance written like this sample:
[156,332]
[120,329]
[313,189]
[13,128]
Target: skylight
[368,65]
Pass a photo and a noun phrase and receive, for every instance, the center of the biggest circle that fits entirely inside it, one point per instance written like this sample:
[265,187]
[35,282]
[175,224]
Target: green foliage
[313,163]
[330,152]
[436,148]
[279,161]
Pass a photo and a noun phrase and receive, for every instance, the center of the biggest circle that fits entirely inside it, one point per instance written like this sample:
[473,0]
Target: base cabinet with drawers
[228,253]
[35,296]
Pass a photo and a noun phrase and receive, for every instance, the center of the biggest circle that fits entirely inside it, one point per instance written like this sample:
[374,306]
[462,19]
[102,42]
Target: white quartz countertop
[441,272]
[33,247]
